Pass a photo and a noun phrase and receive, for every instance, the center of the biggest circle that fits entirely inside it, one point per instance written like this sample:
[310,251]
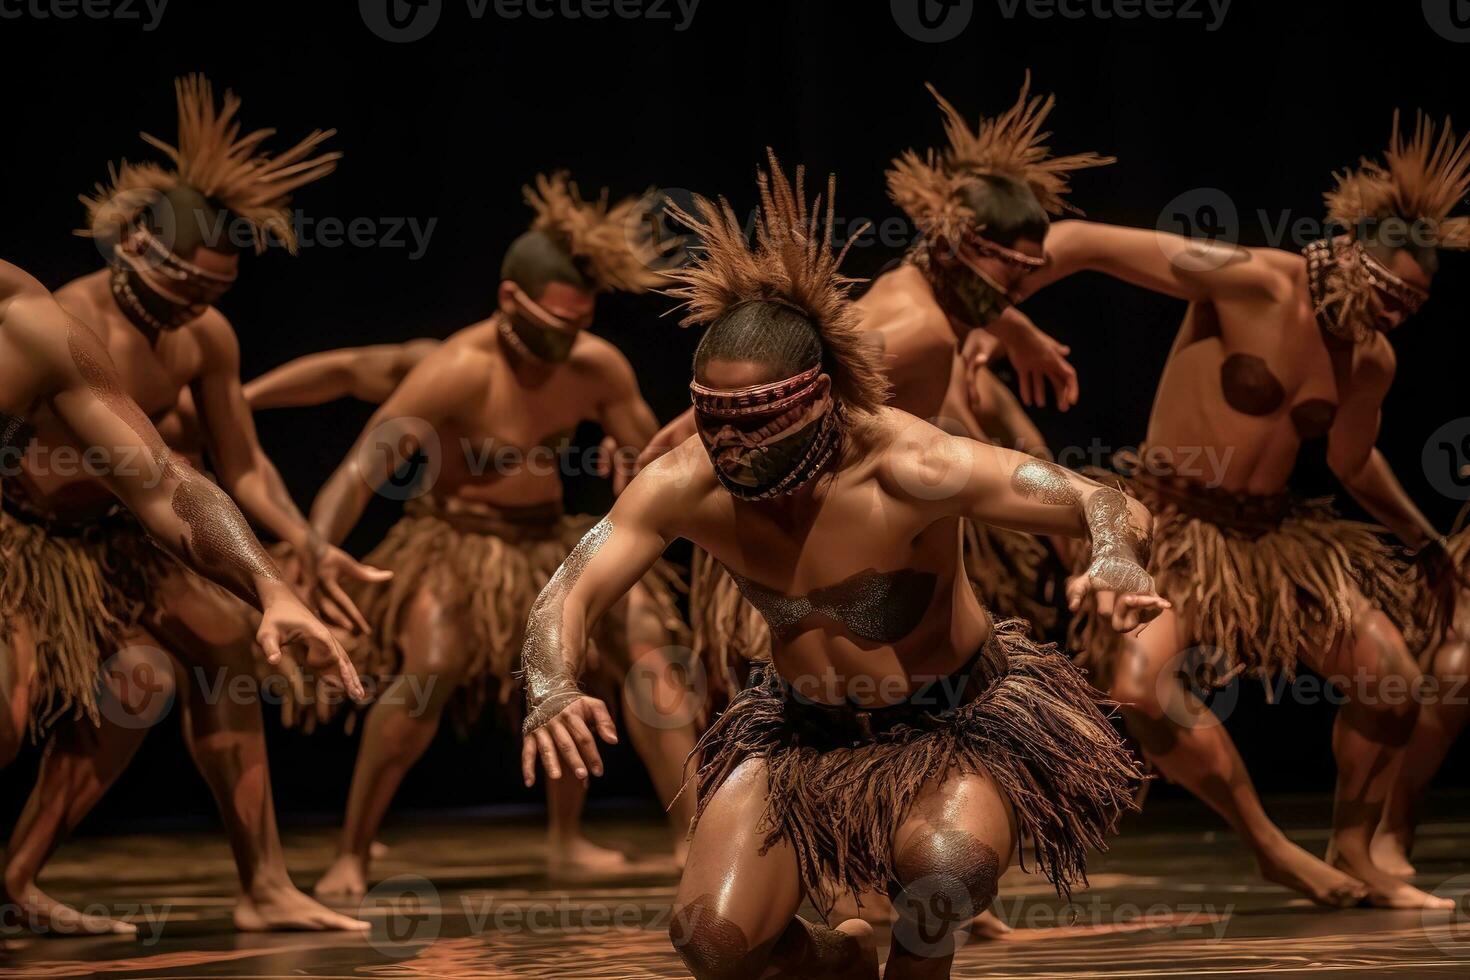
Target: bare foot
[1389,851]
[283,908]
[377,850]
[988,925]
[578,854]
[345,879]
[1293,867]
[1386,891]
[40,913]
[867,944]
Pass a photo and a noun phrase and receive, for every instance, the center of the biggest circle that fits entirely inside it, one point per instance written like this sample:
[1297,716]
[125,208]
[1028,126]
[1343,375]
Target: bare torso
[810,546]
[511,447]
[1247,381]
[54,478]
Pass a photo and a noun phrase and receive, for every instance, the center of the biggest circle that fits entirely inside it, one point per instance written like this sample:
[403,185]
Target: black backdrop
[1260,109]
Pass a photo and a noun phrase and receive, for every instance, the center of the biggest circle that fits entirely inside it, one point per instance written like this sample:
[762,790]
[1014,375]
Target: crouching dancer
[899,740]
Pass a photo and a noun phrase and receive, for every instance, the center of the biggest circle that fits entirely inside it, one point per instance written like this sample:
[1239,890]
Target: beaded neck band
[755,399]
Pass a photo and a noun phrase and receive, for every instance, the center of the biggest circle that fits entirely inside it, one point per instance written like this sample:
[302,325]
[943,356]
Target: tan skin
[473,389]
[54,367]
[920,344]
[1256,301]
[910,483]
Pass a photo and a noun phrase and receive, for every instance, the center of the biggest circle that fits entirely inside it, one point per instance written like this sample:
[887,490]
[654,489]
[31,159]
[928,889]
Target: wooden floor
[1175,897]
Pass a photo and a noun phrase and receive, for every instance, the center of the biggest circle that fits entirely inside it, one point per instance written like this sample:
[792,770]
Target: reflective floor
[1175,897]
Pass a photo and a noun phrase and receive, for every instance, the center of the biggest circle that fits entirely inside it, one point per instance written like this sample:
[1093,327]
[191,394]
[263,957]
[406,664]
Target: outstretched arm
[249,476]
[1185,268]
[962,477]
[448,384]
[368,374]
[183,511]
[608,561]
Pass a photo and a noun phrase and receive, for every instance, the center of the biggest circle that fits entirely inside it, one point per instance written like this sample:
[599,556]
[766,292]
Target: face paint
[536,333]
[1353,293]
[767,439]
[158,290]
[965,293]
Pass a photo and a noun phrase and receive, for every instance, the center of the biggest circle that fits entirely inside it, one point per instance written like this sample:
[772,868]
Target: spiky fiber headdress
[214,159]
[1421,181]
[614,244]
[1010,145]
[792,262]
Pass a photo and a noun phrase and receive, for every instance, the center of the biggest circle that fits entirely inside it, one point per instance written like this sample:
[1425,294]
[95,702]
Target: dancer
[169,235]
[1278,348]
[473,550]
[981,215]
[900,740]
[55,368]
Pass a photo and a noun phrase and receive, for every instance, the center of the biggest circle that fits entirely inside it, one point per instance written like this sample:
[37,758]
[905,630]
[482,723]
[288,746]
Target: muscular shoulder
[679,490]
[911,458]
[1375,363]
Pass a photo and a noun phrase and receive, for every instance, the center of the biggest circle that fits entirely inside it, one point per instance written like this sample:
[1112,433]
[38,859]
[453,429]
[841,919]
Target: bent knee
[948,873]
[712,945]
[1135,682]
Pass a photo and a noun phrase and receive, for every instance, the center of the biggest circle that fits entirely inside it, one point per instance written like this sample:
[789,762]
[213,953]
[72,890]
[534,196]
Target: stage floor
[1166,901]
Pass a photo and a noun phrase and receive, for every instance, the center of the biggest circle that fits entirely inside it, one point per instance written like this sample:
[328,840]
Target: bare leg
[17,673]
[212,636]
[80,763]
[567,848]
[659,708]
[398,729]
[735,911]
[1372,669]
[1189,746]
[949,855]
[1441,720]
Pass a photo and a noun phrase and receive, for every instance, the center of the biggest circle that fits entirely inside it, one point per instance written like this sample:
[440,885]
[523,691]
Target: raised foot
[579,854]
[285,909]
[1291,867]
[345,879]
[1387,891]
[40,913]
[1389,852]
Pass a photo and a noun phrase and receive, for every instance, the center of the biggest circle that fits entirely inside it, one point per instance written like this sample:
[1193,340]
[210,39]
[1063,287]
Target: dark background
[1263,109]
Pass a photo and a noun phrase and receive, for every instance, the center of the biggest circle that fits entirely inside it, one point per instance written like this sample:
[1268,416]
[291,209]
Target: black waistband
[115,517]
[827,726]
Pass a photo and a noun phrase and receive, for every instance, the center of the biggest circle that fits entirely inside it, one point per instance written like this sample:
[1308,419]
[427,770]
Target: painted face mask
[1353,292]
[964,290]
[767,439]
[535,332]
[158,290]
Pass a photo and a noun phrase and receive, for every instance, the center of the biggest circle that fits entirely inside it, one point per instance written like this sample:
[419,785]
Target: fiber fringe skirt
[1030,720]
